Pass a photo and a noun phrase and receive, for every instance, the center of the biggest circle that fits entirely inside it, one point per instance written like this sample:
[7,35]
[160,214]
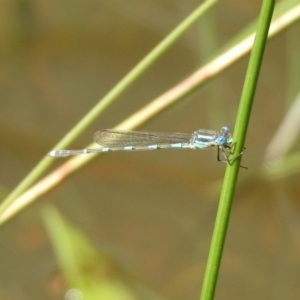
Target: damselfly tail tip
[58,153]
[52,153]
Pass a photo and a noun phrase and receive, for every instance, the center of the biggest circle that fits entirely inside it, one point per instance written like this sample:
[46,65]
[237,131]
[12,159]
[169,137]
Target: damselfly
[113,140]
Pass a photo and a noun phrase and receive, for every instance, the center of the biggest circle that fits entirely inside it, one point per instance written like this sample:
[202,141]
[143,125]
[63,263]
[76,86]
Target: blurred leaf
[86,270]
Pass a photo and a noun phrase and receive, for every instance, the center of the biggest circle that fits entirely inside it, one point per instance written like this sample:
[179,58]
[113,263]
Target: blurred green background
[152,213]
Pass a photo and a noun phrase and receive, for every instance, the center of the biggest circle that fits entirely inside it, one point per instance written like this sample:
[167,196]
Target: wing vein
[119,138]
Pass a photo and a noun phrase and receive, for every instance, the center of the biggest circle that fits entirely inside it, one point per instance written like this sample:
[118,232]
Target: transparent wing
[123,138]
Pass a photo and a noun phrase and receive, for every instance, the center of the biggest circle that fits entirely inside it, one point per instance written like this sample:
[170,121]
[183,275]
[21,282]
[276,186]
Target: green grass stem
[153,108]
[111,96]
[242,121]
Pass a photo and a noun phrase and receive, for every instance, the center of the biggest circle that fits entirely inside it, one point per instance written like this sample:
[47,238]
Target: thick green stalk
[242,121]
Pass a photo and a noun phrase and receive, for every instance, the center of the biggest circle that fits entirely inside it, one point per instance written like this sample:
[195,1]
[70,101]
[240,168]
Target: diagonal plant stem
[242,121]
[127,81]
[167,99]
